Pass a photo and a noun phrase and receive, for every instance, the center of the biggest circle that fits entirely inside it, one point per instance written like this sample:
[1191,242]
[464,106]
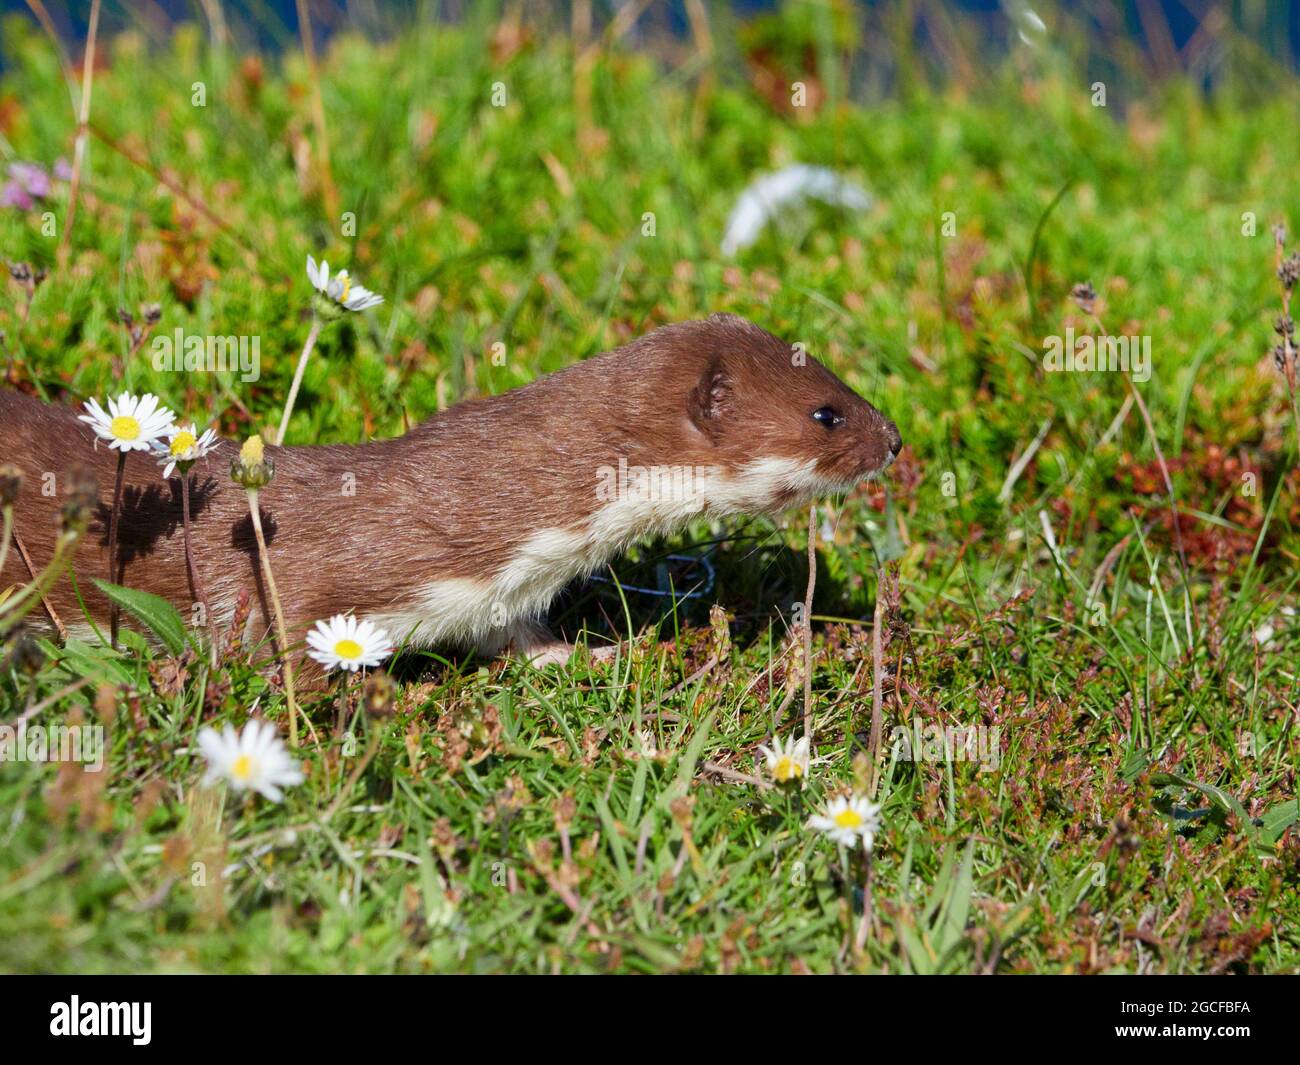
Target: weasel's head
[782,426]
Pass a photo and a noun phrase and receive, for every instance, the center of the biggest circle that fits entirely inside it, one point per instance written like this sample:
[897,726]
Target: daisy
[334,297]
[773,196]
[645,743]
[786,762]
[343,642]
[847,818]
[340,290]
[185,446]
[253,470]
[255,759]
[130,423]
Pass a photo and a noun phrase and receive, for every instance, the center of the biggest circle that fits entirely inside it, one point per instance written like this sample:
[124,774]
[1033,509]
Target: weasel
[462,531]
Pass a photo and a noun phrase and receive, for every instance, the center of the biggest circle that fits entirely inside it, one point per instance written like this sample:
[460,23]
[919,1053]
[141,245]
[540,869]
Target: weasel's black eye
[828,416]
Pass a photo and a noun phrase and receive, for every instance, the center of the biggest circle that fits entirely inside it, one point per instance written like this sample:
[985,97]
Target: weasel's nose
[895,439]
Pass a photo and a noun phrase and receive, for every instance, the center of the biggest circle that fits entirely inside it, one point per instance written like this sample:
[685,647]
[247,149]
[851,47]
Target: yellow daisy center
[347,285]
[243,768]
[347,649]
[848,818]
[124,427]
[182,442]
[787,769]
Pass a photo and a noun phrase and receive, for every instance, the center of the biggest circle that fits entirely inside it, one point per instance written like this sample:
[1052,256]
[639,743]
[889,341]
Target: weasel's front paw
[540,647]
[556,653]
[559,652]
[537,645]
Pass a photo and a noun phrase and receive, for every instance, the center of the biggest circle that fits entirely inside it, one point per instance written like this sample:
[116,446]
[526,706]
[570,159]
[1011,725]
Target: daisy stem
[877,676]
[196,582]
[807,623]
[279,616]
[297,378]
[355,775]
[846,878]
[341,718]
[6,535]
[864,926]
[79,146]
[112,543]
[1288,348]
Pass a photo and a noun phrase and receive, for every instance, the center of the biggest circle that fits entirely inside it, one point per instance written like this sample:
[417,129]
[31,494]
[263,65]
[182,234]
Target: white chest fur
[630,504]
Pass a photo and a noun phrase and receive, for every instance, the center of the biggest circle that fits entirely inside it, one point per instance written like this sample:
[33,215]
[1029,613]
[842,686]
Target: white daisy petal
[344,643]
[184,444]
[848,819]
[253,760]
[786,761]
[129,424]
[340,289]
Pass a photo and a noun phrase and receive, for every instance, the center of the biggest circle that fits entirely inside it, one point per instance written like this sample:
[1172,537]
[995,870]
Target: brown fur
[457,495]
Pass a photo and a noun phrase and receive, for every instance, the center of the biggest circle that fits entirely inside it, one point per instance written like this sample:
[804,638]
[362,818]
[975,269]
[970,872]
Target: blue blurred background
[1198,37]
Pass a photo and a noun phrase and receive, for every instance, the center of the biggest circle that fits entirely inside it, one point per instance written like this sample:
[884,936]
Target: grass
[1140,816]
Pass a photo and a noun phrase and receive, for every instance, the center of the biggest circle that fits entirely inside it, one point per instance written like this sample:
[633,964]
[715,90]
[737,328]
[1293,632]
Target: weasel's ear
[710,399]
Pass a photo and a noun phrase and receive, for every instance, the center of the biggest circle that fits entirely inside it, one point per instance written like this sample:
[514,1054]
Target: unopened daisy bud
[1085,296]
[566,809]
[683,810]
[863,769]
[443,839]
[25,654]
[543,853]
[11,483]
[645,743]
[83,498]
[1289,272]
[377,694]
[105,703]
[252,469]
